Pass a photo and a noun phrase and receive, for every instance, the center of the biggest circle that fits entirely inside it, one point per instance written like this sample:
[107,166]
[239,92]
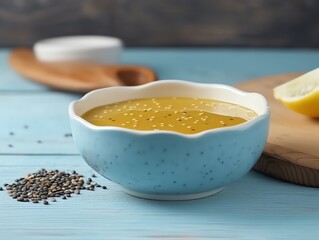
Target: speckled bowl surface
[167,165]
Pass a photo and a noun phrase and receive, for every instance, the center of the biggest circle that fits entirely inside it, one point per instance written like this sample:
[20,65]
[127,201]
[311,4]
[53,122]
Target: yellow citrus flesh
[301,94]
[308,105]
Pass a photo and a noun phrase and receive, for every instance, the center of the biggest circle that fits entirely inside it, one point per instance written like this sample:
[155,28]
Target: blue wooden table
[34,122]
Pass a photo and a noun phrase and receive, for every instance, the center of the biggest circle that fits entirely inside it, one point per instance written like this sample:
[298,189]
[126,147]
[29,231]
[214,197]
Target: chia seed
[45,185]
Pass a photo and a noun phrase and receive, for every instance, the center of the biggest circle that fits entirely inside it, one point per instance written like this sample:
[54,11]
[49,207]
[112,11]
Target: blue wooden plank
[33,123]
[10,80]
[220,65]
[256,207]
[46,114]
[200,65]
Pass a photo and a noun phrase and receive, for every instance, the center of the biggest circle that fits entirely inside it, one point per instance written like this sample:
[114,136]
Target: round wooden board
[292,150]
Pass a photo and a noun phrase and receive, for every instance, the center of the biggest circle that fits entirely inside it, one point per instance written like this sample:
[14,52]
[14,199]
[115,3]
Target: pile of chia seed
[44,186]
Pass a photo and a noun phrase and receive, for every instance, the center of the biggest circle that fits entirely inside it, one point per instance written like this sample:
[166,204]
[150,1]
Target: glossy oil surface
[183,115]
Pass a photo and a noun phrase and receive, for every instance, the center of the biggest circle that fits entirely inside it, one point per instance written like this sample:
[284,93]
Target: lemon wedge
[301,94]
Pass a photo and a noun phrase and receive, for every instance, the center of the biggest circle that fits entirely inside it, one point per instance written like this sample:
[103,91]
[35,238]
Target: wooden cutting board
[292,150]
[79,77]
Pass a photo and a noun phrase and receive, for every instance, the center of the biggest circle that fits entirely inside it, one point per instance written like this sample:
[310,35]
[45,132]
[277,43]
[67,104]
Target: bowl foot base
[172,197]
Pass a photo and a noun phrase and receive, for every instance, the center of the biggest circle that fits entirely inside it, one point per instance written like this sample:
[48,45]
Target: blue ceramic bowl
[168,165]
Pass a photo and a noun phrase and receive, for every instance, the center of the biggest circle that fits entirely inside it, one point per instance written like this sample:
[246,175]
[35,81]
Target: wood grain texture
[207,65]
[256,207]
[267,23]
[77,77]
[36,123]
[279,168]
[18,96]
[293,138]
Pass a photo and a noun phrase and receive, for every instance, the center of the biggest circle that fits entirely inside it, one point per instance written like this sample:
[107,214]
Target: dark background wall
[257,23]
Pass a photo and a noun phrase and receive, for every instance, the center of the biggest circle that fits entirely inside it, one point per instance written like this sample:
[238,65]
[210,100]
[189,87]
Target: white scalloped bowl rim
[258,104]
